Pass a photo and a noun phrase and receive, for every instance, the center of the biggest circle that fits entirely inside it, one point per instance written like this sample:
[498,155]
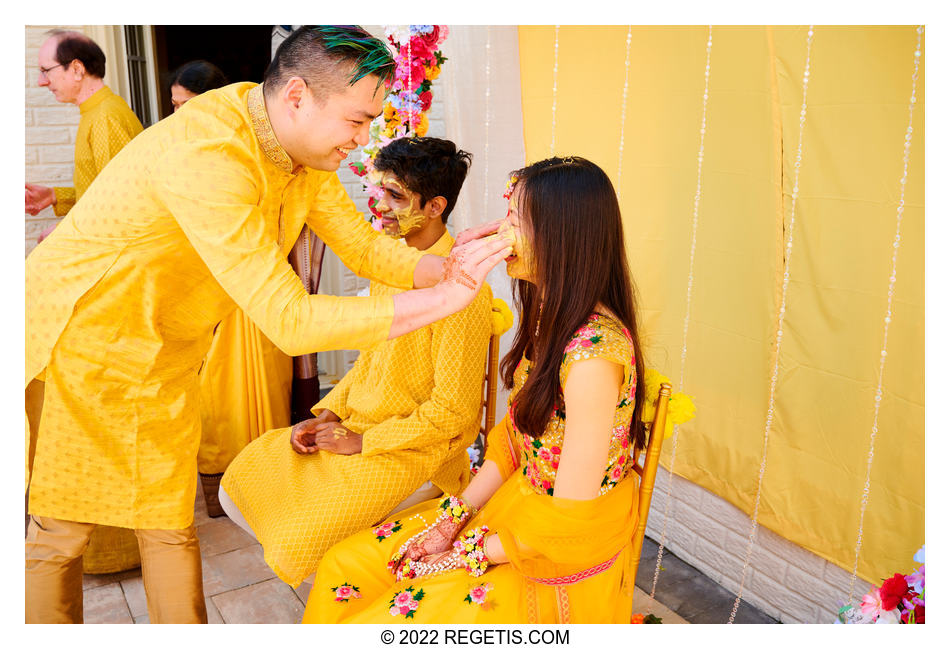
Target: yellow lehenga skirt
[571,563]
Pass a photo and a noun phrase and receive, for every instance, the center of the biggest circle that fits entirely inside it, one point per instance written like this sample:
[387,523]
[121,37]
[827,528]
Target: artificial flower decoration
[418,63]
[680,409]
[899,600]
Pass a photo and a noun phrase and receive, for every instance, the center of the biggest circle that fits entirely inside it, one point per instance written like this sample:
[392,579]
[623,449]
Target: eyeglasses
[44,72]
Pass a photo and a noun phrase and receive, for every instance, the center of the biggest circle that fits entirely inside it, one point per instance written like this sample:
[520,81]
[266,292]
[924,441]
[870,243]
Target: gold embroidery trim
[264,132]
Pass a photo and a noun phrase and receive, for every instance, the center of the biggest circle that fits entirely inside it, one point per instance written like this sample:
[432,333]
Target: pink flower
[586,343]
[478,594]
[344,591]
[871,604]
[394,611]
[621,459]
[404,609]
[556,450]
[915,580]
[413,604]
[544,454]
[625,442]
[403,599]
[571,345]
[556,463]
[585,332]
[616,473]
[545,484]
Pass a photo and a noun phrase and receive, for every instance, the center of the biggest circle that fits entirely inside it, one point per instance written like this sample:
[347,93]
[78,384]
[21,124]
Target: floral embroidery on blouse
[386,530]
[406,602]
[478,595]
[345,592]
[599,337]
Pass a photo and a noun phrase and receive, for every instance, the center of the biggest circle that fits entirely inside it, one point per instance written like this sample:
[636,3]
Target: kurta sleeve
[366,252]
[459,348]
[65,199]
[211,188]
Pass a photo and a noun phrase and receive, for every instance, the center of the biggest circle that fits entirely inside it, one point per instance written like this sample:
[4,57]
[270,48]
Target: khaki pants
[171,572]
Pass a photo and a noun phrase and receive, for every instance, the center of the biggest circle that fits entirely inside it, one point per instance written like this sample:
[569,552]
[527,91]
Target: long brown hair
[570,213]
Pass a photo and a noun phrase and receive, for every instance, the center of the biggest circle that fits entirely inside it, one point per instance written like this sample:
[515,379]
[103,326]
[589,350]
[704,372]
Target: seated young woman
[543,532]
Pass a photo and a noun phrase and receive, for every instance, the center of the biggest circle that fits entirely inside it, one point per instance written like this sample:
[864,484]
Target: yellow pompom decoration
[501,317]
[423,127]
[680,409]
[433,72]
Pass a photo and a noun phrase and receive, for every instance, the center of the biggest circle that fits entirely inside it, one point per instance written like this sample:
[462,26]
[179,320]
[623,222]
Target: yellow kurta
[196,214]
[415,399]
[246,383]
[106,124]
[569,560]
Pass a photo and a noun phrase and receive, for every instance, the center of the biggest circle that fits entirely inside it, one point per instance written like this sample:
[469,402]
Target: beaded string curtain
[827,376]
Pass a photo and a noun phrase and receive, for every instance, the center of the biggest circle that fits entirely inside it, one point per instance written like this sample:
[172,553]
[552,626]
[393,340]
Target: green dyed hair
[317,53]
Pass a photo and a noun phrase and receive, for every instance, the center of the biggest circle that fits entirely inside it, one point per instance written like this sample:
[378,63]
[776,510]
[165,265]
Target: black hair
[328,57]
[569,208]
[198,76]
[73,46]
[429,166]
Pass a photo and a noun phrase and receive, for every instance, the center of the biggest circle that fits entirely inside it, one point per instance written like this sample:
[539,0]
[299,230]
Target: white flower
[398,33]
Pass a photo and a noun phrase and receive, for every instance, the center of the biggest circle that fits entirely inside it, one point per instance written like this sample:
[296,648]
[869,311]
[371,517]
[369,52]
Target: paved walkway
[241,589]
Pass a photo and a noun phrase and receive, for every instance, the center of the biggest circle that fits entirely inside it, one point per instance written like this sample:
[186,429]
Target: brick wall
[50,133]
[783,579]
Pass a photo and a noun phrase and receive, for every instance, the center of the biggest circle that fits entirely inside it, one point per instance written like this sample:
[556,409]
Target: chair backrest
[646,465]
[490,393]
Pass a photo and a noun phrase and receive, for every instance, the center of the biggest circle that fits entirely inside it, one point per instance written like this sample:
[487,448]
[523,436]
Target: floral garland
[418,63]
[899,600]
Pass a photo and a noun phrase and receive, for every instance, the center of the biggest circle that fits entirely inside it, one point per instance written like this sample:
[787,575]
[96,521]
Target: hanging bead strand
[689,295]
[623,111]
[908,136]
[554,89]
[781,322]
[487,112]
[409,98]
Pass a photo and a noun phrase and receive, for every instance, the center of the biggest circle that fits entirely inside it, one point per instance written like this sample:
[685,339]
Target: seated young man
[404,415]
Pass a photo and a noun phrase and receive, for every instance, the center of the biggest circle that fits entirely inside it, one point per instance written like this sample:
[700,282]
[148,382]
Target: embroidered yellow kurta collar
[95,99]
[265,132]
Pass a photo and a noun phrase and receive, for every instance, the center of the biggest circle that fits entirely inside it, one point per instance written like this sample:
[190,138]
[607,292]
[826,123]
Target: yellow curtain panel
[845,218]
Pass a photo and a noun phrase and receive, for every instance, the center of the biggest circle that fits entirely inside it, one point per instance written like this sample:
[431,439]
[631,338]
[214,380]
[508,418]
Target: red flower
[426,99]
[919,614]
[893,591]
[431,39]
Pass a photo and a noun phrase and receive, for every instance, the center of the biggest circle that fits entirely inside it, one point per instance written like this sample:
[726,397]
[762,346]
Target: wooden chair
[490,392]
[647,464]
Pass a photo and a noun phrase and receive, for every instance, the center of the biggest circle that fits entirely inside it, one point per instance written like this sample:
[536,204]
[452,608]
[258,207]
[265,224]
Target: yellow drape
[858,96]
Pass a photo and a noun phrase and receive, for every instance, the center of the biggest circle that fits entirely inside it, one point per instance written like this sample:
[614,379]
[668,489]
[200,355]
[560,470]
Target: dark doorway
[241,51]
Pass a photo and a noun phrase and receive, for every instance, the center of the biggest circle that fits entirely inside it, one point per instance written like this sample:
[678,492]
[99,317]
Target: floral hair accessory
[472,545]
[510,186]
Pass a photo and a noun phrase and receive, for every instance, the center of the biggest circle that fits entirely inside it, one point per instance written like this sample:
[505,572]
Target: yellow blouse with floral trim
[606,338]
[195,216]
[106,124]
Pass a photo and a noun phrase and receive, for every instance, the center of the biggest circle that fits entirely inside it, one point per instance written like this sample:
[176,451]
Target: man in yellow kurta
[404,414]
[72,66]
[194,217]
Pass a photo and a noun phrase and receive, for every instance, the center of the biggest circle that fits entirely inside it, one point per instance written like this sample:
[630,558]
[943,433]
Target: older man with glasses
[72,66]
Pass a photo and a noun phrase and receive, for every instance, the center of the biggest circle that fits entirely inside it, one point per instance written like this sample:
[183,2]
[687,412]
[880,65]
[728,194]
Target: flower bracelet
[472,548]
